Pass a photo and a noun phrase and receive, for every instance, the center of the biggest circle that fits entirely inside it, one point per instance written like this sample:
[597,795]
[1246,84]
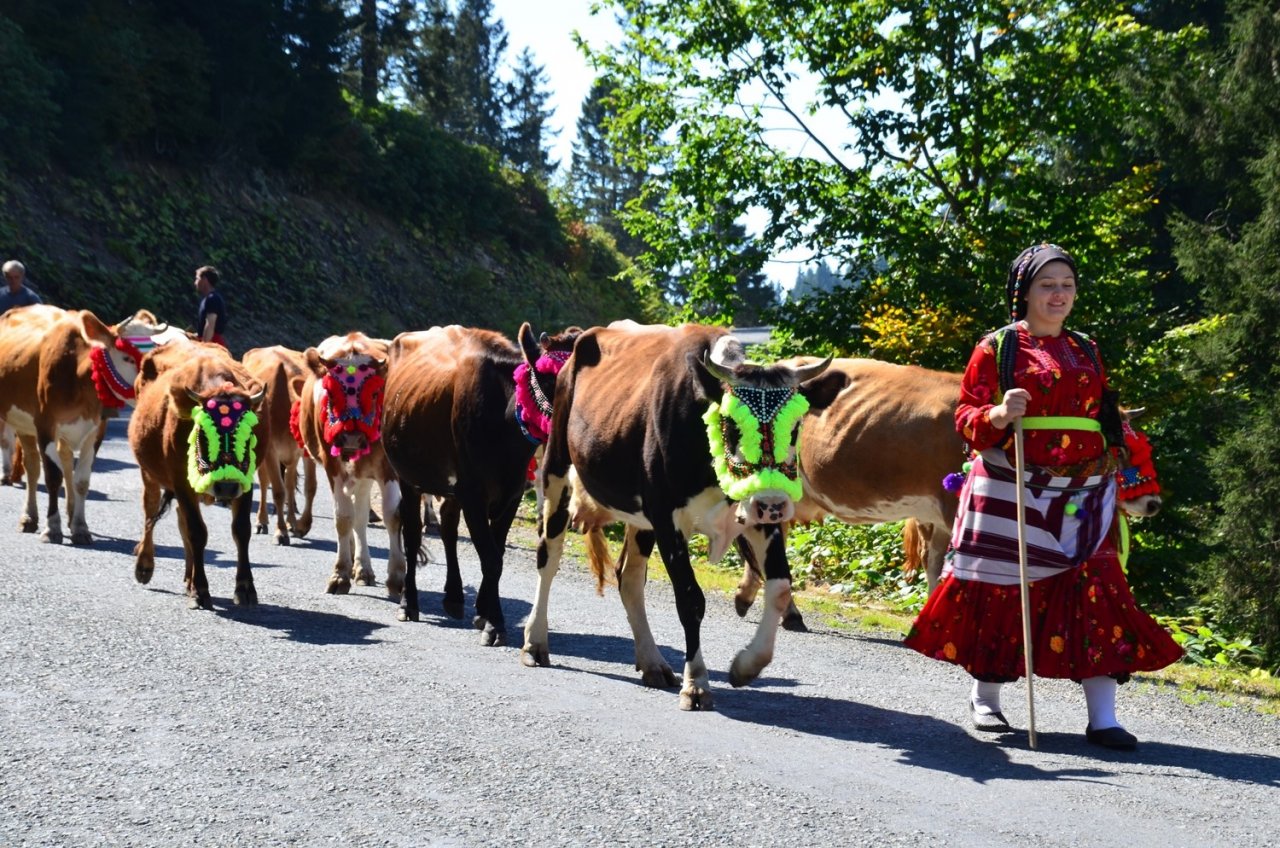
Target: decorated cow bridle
[222,443]
[112,388]
[763,419]
[533,407]
[352,403]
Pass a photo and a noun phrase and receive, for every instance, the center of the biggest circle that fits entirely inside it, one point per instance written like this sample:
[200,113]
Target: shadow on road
[305,626]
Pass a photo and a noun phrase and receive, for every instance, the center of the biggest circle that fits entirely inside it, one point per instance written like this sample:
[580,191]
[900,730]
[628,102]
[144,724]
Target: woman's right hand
[1011,409]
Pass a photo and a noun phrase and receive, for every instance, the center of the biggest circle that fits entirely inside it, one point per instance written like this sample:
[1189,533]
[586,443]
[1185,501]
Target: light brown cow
[195,434]
[339,419]
[62,372]
[283,372]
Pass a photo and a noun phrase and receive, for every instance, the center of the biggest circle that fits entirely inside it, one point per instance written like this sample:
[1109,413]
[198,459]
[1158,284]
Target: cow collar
[764,419]
[112,388]
[533,407]
[222,444]
[352,402]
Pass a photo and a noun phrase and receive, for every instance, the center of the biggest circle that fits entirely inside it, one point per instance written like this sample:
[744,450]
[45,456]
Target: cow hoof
[407,615]
[204,602]
[694,699]
[741,671]
[794,622]
[51,537]
[493,637]
[282,539]
[366,578]
[479,622]
[142,572]
[245,597]
[28,525]
[535,657]
[395,586]
[453,609]
[659,678]
[338,586]
[301,528]
[262,530]
[742,606]
[82,537]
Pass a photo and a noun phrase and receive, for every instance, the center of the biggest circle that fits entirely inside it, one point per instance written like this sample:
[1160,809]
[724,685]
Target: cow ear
[93,330]
[822,390]
[180,401]
[315,363]
[147,369]
[706,385]
[528,344]
[295,387]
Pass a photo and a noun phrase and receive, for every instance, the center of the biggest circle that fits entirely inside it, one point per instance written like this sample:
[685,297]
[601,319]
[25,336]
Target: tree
[598,183]
[526,136]
[479,45]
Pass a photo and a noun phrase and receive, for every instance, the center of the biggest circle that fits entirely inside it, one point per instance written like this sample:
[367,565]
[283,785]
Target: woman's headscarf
[1024,270]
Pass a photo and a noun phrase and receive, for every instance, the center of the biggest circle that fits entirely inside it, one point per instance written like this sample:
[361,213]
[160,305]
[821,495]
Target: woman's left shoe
[1116,738]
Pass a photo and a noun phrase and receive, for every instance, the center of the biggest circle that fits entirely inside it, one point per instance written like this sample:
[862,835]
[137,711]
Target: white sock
[1100,696]
[986,697]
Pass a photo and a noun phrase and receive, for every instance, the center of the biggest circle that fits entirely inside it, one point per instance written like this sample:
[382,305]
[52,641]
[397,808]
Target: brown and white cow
[637,413]
[62,372]
[284,372]
[340,422]
[195,434]
[453,427]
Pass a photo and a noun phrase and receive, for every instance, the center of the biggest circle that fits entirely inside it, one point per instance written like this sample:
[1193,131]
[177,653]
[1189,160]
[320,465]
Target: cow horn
[258,396]
[724,359]
[808,372]
[1135,414]
[160,328]
[191,393]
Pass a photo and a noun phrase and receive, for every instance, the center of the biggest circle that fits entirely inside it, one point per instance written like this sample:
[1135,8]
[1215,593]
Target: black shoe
[989,722]
[1116,738]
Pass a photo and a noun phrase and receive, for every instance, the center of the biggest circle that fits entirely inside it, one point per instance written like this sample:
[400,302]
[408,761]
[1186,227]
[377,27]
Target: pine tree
[479,45]
[598,185]
[526,134]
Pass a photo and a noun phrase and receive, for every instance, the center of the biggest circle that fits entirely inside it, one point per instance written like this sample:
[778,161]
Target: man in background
[16,293]
[211,320]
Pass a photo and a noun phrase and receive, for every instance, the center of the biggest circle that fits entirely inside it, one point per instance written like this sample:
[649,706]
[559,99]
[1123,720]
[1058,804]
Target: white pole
[1020,463]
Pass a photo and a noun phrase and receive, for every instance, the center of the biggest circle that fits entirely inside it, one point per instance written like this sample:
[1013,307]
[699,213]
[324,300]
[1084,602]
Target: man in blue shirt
[16,292]
[211,320]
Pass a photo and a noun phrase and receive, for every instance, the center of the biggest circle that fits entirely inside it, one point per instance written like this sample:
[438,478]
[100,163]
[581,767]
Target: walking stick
[1021,464]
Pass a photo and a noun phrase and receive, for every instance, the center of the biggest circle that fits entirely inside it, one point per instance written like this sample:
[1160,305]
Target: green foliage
[860,561]
[1204,646]
[28,114]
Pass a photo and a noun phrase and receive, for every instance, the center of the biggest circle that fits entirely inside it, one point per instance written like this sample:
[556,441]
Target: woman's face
[1051,295]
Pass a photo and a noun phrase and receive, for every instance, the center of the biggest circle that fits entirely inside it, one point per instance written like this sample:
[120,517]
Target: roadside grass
[1236,687]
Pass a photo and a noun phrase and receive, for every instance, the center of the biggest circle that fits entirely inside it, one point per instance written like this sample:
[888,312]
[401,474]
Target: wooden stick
[1021,465]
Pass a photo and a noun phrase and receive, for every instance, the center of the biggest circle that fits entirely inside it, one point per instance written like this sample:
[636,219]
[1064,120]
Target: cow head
[352,371]
[222,448]
[1139,490]
[535,378]
[754,431]
[115,354]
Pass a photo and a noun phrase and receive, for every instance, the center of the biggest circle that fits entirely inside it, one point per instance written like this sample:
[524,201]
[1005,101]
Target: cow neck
[352,403]
[112,388]
[222,445]
[764,419]
[533,407]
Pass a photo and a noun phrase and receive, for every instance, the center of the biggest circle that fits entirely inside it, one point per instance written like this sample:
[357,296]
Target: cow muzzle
[226,490]
[350,446]
[766,508]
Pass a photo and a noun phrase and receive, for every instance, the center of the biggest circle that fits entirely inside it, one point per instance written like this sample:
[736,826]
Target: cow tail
[915,546]
[599,558]
[165,502]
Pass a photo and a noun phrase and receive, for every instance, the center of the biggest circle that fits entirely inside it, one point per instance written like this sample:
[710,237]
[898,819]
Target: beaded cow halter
[763,420]
[222,443]
[533,407]
[112,388]
[352,403]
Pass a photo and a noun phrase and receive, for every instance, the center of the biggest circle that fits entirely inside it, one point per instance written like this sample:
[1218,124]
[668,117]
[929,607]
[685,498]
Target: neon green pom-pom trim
[749,445]
[243,442]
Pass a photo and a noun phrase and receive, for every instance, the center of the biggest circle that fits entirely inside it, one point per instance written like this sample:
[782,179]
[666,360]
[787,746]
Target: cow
[283,372]
[339,423]
[195,434]
[672,431]
[10,456]
[62,373]
[454,426]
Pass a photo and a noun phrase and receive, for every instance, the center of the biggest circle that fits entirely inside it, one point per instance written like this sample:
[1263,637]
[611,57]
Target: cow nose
[225,490]
[770,511]
[1153,506]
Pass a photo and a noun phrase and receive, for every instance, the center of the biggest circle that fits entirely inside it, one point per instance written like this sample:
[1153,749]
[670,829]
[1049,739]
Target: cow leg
[555,521]
[362,493]
[751,660]
[289,476]
[939,538]
[79,485]
[633,571]
[343,518]
[8,439]
[303,525]
[752,580]
[277,500]
[52,487]
[395,544]
[30,521]
[145,551]
[450,514]
[411,534]
[489,617]
[241,530]
[195,536]
[264,481]
[691,606]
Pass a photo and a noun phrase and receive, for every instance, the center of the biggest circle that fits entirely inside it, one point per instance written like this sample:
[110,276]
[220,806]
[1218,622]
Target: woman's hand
[1013,408]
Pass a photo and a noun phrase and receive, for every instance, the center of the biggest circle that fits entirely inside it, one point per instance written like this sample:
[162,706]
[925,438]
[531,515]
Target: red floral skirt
[1084,623]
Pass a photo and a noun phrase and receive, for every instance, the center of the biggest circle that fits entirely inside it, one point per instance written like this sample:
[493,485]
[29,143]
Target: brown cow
[339,420]
[62,372]
[195,434]
[671,431]
[453,427]
[283,372]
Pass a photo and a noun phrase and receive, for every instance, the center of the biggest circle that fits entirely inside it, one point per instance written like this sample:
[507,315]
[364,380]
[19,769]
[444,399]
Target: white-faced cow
[455,426]
[671,431]
[195,434]
[284,373]
[62,372]
[340,422]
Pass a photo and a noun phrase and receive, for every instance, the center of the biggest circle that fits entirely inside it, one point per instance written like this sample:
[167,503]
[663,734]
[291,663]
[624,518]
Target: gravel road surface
[128,719]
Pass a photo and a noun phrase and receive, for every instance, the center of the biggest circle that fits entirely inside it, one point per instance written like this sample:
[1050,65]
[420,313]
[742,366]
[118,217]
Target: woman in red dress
[1085,625]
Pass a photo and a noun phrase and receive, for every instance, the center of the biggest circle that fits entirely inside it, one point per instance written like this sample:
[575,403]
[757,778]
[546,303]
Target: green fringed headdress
[764,420]
[222,444]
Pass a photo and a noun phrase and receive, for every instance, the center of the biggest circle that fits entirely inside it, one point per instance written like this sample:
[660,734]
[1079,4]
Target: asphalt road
[128,719]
